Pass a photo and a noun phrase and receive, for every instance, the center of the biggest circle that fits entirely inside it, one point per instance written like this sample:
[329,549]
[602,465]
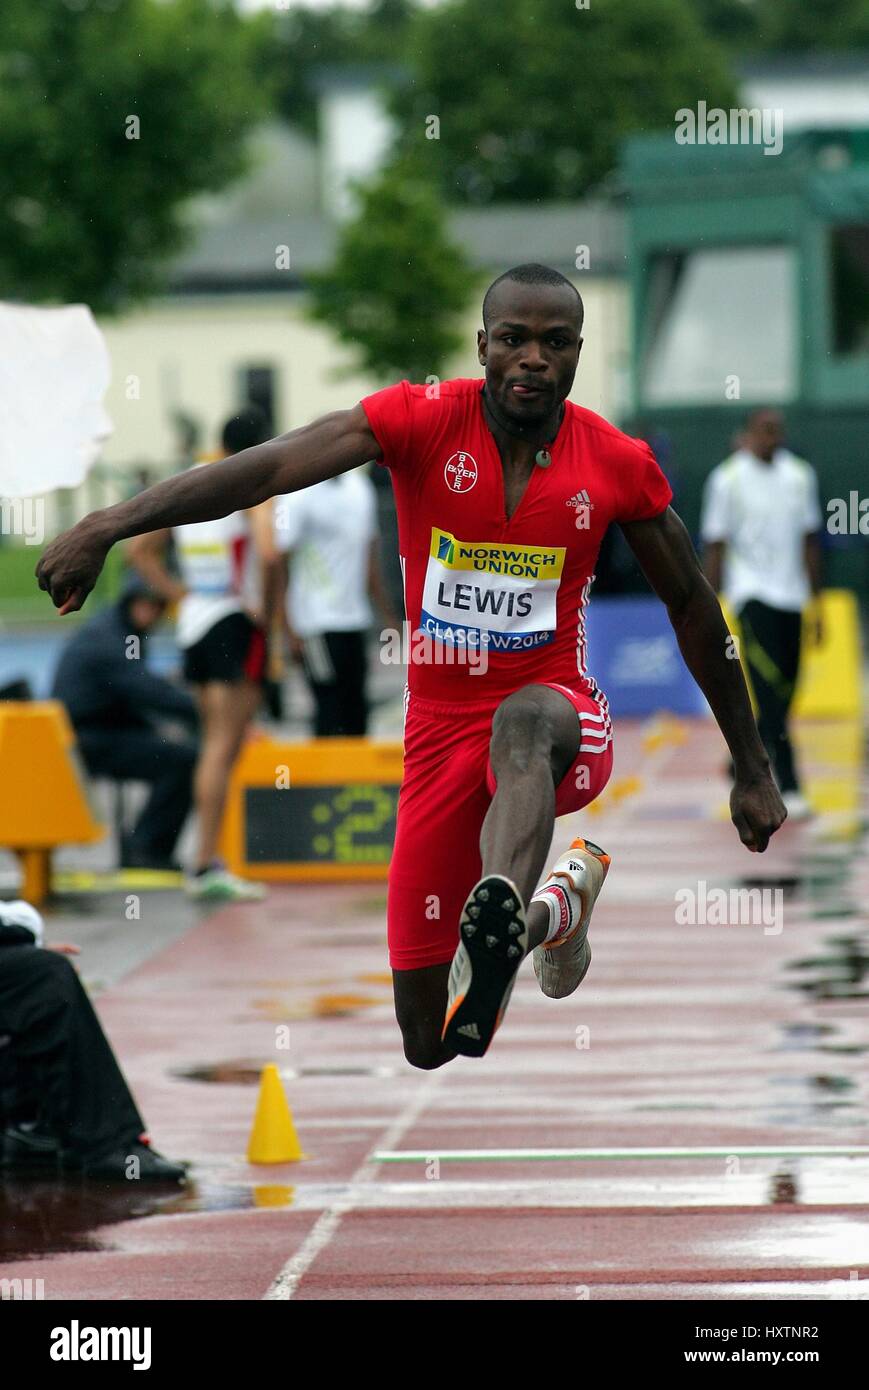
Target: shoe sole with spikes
[492,945]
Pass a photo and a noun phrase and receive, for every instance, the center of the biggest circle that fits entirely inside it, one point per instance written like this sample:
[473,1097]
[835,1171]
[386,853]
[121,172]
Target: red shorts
[447,788]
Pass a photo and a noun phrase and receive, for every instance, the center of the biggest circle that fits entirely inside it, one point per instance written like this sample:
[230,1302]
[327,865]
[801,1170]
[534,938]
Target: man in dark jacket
[116,706]
[64,1104]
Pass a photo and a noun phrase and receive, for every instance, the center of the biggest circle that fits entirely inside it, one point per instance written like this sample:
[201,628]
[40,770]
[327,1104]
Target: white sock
[562,914]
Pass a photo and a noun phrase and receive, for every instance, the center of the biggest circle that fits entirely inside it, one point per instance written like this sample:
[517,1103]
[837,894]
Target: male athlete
[504,491]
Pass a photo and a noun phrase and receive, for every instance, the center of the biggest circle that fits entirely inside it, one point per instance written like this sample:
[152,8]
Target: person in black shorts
[223,593]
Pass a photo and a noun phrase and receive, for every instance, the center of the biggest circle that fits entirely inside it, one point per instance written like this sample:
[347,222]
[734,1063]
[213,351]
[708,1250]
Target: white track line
[325,1227]
[583,1194]
[617,1155]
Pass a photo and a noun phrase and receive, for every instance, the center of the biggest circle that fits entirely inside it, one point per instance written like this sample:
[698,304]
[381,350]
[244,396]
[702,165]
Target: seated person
[115,705]
[64,1104]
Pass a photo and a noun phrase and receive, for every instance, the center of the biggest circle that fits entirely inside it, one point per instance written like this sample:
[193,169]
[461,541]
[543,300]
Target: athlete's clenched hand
[71,564]
[757,810]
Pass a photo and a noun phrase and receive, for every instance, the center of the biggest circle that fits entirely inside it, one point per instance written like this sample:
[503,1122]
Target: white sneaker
[797,807]
[570,892]
[218,885]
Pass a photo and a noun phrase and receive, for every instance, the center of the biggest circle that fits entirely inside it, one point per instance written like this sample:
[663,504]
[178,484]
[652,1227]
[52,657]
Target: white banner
[54,373]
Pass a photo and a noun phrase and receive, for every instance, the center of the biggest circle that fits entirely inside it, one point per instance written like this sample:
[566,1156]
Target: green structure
[750,286]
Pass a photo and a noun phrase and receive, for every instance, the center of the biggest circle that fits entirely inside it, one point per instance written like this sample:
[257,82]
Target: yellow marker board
[321,810]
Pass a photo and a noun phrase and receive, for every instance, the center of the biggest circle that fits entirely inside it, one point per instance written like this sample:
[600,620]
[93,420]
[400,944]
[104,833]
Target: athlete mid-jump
[504,490]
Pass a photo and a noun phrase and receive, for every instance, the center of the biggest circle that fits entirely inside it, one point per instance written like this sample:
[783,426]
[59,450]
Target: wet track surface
[686,1037]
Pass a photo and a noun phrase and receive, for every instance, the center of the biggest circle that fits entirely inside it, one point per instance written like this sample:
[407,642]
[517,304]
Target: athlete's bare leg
[536,735]
[420,1001]
[535,738]
[226,708]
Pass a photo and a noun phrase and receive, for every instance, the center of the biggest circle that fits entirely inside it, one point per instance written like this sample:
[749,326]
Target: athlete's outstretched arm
[664,550]
[70,566]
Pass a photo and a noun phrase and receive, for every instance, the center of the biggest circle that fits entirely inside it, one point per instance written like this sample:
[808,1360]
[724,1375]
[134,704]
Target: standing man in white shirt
[760,523]
[327,535]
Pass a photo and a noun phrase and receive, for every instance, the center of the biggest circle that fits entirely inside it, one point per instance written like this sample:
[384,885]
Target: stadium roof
[237,253]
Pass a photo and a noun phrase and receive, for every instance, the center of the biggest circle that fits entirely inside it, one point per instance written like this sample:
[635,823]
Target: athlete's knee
[424,1049]
[426,1055]
[522,731]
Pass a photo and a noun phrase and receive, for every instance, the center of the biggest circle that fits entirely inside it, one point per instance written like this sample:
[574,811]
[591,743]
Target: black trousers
[57,1066]
[140,754]
[771,650]
[336,668]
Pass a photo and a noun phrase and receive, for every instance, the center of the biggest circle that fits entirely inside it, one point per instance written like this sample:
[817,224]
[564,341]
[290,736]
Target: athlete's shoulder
[432,395]
[629,471]
[409,400]
[411,420]
[456,386]
[604,433]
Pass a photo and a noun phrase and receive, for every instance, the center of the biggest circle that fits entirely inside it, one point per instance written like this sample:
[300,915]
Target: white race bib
[486,594]
[207,566]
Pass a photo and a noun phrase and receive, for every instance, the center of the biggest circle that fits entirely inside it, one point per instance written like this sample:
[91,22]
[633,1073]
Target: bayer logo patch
[460,472]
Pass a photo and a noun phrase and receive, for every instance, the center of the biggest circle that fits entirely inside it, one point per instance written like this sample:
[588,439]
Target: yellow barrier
[830,684]
[315,811]
[43,804]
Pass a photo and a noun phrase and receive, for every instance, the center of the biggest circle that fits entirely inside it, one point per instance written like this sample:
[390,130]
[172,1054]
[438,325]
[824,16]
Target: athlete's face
[530,348]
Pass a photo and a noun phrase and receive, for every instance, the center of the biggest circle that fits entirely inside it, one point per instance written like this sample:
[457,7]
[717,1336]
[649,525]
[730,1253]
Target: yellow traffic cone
[273,1138]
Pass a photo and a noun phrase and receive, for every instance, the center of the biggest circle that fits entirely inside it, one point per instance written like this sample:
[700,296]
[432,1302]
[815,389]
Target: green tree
[733,22]
[750,26]
[534,97]
[91,203]
[397,284]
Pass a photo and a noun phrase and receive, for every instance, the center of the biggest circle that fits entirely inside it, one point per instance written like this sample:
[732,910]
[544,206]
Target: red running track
[682,1037]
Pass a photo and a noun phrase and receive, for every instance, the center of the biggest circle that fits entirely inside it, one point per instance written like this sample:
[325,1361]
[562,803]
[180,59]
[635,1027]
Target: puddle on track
[838,969]
[247,1073]
[42,1217]
[48,1216]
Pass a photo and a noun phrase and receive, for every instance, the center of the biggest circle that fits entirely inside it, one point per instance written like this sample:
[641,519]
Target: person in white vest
[222,633]
[760,522]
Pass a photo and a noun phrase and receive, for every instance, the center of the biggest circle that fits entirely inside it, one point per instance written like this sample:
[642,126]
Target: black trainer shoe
[493,942]
[25,1149]
[136,1162]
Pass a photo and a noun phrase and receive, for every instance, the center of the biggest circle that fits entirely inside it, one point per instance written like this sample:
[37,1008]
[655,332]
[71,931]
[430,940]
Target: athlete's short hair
[532,273]
[245,429]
